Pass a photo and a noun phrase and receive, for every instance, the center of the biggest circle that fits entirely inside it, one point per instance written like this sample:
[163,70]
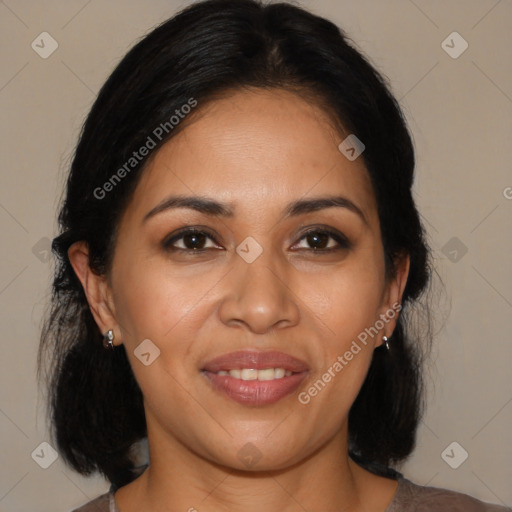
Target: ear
[392,300]
[97,290]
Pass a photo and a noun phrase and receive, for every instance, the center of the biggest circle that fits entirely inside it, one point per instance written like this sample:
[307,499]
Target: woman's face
[254,282]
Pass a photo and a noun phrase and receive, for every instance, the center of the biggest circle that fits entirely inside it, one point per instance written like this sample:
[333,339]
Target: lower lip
[255,392]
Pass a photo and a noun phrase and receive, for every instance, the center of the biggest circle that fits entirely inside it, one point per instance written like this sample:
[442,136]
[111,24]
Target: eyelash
[340,239]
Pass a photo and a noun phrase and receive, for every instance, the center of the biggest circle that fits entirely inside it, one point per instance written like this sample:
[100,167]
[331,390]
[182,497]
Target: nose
[258,296]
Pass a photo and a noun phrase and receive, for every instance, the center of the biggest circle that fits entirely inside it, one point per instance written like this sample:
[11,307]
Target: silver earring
[385,340]
[108,340]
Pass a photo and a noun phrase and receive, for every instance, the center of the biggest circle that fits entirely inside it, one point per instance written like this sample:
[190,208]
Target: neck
[178,479]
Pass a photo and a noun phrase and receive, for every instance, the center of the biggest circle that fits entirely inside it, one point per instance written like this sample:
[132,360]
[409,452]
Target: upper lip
[256,360]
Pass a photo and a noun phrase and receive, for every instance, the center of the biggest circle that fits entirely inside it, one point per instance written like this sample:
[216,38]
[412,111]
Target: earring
[108,340]
[385,340]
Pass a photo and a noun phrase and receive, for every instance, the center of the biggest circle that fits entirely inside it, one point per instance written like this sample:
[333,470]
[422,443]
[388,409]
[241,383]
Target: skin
[257,151]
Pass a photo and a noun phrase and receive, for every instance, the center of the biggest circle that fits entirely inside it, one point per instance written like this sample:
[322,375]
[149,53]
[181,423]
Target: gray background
[459,110]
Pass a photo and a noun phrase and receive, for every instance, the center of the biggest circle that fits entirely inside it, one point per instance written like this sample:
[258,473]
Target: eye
[192,240]
[319,240]
[195,240]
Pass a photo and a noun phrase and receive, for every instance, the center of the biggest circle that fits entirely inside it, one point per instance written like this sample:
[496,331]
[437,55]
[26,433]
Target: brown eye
[318,240]
[192,240]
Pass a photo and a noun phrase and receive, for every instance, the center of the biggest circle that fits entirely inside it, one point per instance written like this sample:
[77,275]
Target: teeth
[279,373]
[249,374]
[268,374]
[252,374]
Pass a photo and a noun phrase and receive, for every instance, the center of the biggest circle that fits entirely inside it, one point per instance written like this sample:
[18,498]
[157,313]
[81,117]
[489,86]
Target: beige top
[409,497]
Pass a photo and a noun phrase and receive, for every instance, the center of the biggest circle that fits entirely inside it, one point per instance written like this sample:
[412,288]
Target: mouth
[254,374]
[255,378]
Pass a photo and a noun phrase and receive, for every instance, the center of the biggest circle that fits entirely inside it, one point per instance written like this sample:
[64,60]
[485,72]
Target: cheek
[347,301]
[346,307]
[346,304]
[169,307]
[153,301]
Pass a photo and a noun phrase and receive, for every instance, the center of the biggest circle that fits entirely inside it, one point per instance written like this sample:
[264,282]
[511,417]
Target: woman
[239,259]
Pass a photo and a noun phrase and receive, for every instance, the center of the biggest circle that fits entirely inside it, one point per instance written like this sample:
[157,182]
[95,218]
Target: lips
[255,392]
[255,360]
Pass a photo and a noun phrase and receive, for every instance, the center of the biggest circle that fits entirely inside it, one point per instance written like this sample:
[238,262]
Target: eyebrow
[212,207]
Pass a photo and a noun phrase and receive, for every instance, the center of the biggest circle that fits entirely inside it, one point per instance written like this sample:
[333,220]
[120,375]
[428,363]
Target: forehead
[255,148]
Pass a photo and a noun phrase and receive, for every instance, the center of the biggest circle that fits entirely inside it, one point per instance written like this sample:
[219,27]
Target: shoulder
[107,502]
[100,504]
[412,497]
